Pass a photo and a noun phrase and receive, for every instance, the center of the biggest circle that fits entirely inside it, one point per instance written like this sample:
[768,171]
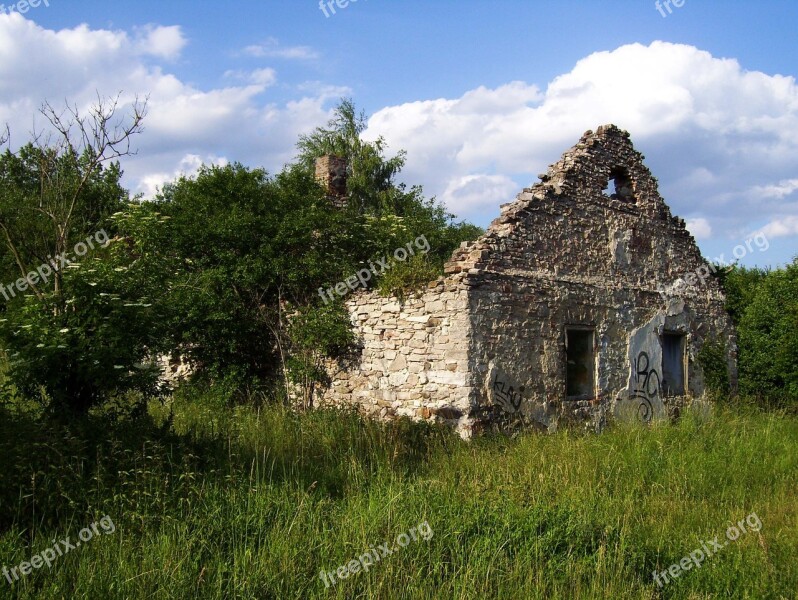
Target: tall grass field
[201,501]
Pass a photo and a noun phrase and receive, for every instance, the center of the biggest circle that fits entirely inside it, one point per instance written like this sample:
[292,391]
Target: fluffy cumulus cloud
[184,125]
[163,42]
[722,141]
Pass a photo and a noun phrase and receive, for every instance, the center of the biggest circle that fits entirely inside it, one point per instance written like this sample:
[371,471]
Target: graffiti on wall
[518,403]
[641,400]
[504,393]
[647,384]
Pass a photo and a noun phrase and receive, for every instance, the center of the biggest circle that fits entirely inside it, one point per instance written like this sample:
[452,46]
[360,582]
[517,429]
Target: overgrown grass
[254,504]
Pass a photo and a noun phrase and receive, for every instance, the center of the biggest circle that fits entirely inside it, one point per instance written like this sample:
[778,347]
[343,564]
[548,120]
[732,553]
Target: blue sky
[482,95]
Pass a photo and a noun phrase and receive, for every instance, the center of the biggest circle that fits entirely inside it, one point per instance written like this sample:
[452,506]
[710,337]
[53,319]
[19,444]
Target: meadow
[214,502]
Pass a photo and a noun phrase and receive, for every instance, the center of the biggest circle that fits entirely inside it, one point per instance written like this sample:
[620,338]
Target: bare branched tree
[71,151]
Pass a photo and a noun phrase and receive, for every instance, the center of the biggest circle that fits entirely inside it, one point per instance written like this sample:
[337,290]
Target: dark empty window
[673,364]
[619,186]
[580,368]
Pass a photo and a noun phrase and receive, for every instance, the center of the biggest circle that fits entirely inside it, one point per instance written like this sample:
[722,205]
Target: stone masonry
[553,315]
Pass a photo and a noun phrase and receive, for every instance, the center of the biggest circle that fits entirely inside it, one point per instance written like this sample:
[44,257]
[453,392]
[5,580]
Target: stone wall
[412,358]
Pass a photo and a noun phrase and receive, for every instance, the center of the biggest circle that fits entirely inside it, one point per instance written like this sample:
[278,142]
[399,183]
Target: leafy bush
[712,358]
[409,276]
[764,306]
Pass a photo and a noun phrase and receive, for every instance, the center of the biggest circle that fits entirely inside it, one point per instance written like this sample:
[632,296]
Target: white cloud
[779,190]
[163,42]
[700,228]
[783,227]
[471,193]
[716,136]
[235,122]
[271,49]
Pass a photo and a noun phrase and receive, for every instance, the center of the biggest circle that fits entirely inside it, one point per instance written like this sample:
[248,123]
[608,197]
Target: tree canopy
[222,268]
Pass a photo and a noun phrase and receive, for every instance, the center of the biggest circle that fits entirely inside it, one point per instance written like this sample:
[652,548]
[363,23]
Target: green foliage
[712,359]
[740,285]
[243,248]
[393,214]
[92,336]
[411,275]
[315,333]
[371,185]
[370,176]
[764,306]
[767,337]
[33,214]
[95,337]
[67,328]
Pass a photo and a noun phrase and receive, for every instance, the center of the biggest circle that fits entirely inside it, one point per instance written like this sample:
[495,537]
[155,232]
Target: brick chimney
[331,174]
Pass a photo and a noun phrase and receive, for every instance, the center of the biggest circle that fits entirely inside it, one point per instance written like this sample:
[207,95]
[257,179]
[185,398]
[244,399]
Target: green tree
[104,339]
[224,268]
[768,345]
[67,327]
[246,248]
[370,175]
[740,284]
[396,214]
[57,189]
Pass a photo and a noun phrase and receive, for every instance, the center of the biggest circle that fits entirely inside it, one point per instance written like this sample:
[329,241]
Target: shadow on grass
[57,473]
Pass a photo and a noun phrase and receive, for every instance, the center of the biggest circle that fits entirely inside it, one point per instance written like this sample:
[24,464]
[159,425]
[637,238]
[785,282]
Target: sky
[482,95]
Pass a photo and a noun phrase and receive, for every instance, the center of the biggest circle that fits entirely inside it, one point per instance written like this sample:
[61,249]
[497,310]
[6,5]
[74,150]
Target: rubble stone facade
[555,314]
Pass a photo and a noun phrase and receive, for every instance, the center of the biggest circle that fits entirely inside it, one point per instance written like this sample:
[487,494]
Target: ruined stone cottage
[555,314]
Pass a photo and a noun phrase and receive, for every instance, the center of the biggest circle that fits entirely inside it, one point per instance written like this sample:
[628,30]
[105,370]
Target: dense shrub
[764,306]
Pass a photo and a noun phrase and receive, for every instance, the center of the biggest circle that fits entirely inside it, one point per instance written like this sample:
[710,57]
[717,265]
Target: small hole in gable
[619,186]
